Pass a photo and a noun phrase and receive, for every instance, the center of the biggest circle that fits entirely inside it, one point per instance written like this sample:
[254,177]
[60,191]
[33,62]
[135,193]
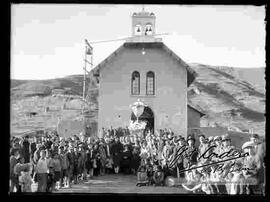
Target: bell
[88,51]
[150,29]
[138,30]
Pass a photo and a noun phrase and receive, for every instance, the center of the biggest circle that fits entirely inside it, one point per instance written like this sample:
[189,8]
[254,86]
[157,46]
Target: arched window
[148,29]
[138,30]
[150,83]
[135,83]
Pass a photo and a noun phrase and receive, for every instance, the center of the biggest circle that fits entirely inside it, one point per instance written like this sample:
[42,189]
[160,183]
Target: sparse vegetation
[221,95]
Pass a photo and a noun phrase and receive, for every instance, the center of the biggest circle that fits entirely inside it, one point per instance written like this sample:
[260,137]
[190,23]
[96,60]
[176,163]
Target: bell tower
[143,27]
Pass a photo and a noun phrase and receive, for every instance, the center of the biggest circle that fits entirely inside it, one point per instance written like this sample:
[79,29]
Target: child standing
[142,178]
[25,179]
[109,166]
[57,170]
[158,176]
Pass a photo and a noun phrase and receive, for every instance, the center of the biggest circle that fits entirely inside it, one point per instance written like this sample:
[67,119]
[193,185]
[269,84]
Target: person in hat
[226,141]
[191,152]
[210,140]
[203,148]
[251,167]
[181,143]
[259,146]
[260,151]
[71,164]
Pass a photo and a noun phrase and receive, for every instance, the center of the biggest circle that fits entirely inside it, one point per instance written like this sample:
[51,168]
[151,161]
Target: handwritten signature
[229,155]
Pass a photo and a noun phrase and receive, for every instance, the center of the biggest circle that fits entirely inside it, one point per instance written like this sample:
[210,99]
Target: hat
[210,138]
[217,138]
[190,137]
[225,137]
[247,144]
[201,134]
[169,136]
[254,135]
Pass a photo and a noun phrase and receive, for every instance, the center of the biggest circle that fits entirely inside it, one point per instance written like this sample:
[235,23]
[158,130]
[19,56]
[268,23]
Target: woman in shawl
[96,160]
[135,160]
[89,160]
[103,157]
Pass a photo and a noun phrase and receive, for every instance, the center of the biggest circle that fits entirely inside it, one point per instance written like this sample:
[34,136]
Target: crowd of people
[54,162]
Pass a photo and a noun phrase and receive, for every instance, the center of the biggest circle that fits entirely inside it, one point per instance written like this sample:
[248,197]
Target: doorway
[148,117]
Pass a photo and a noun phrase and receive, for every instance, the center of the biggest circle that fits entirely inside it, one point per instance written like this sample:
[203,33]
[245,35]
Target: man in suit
[116,150]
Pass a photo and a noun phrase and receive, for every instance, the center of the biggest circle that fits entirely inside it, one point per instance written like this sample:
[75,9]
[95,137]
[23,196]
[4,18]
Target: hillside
[30,98]
[228,96]
[227,99]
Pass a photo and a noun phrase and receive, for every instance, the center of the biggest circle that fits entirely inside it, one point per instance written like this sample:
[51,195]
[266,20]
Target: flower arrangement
[136,125]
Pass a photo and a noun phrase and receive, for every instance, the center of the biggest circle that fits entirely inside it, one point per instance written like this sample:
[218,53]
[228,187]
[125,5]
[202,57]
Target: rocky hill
[227,99]
[228,96]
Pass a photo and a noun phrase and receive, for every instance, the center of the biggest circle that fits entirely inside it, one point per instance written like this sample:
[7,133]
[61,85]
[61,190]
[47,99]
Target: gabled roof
[191,74]
[196,109]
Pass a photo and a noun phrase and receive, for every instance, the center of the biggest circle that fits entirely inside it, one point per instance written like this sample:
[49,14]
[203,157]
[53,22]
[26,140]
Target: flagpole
[88,51]
[84,76]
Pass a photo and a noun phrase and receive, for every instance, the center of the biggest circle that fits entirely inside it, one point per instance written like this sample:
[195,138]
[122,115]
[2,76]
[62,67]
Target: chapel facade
[145,68]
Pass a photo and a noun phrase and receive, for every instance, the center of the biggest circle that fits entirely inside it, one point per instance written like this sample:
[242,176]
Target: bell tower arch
[143,23]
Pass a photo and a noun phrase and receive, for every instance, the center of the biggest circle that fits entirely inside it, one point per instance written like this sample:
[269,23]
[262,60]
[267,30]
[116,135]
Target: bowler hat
[190,137]
[247,144]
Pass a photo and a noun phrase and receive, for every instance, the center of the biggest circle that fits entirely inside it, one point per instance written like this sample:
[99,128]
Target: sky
[47,40]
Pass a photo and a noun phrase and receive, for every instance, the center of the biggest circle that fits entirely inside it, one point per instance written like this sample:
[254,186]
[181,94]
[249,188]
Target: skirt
[57,175]
[116,160]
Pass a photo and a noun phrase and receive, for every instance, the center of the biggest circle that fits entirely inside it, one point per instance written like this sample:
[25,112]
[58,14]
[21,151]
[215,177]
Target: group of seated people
[55,162]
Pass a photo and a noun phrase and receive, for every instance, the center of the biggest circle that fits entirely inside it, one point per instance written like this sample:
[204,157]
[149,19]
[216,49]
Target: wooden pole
[178,174]
[84,76]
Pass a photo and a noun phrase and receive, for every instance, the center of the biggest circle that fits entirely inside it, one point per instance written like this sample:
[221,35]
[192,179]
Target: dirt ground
[117,183]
